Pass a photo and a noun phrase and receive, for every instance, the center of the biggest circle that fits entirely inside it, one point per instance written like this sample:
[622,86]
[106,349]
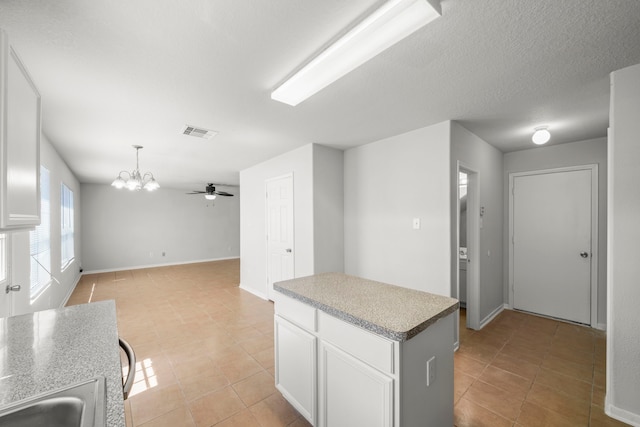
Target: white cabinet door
[296,367]
[351,392]
[19,143]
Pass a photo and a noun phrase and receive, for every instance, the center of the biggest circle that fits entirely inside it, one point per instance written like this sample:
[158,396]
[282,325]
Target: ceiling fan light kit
[394,21]
[134,180]
[210,192]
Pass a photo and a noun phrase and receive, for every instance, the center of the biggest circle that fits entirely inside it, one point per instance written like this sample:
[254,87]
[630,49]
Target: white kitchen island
[354,352]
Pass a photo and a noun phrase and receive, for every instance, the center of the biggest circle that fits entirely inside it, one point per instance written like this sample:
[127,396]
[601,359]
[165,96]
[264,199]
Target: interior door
[280,249]
[552,214]
[5,297]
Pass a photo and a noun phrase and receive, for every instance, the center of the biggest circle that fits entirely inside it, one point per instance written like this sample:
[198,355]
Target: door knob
[14,288]
[289,250]
[584,254]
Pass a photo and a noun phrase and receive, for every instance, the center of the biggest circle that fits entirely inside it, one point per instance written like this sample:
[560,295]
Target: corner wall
[386,184]
[253,245]
[328,209]
[123,229]
[623,337]
[592,151]
[485,159]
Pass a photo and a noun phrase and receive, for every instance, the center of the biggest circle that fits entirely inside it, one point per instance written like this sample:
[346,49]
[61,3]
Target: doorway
[467,259]
[553,234]
[279,226]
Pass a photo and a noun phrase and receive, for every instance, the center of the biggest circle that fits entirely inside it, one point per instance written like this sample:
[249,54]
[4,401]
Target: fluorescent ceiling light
[394,21]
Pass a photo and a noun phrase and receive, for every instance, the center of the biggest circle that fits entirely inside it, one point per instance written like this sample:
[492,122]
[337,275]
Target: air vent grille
[199,132]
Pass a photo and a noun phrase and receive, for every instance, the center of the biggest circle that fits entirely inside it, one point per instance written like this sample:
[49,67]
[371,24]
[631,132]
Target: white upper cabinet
[19,143]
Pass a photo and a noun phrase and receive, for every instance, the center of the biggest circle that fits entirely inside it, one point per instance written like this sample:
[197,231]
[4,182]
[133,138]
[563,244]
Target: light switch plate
[416,223]
[431,371]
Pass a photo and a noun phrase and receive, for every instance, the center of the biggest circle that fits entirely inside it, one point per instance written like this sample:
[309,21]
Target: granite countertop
[52,349]
[392,311]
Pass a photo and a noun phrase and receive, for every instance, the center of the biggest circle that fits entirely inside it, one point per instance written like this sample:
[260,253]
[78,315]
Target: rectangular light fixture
[394,21]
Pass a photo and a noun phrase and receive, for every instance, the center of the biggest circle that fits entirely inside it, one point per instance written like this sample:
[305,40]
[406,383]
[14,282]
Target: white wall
[592,151]
[386,184]
[487,161]
[328,209]
[253,247]
[123,229]
[56,294]
[623,336]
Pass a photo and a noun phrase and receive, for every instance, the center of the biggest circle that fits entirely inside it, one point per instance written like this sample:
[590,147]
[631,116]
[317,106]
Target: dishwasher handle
[131,357]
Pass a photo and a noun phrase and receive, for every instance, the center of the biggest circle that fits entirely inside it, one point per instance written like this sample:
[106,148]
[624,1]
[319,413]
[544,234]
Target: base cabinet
[337,374]
[351,392]
[296,367]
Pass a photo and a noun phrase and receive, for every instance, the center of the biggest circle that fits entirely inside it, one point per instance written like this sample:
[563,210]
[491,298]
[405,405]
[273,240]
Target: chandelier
[134,180]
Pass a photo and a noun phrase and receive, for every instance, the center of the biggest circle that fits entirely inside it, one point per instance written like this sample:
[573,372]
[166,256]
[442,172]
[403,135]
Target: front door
[280,249]
[552,243]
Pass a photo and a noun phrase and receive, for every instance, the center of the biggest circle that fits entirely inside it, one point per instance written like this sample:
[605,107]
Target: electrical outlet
[416,223]
[431,371]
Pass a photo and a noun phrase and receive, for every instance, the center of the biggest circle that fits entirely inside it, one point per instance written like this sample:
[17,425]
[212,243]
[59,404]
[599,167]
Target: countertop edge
[365,324]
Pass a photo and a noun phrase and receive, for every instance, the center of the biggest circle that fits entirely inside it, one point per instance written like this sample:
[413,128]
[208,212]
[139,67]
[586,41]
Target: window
[67,236]
[40,241]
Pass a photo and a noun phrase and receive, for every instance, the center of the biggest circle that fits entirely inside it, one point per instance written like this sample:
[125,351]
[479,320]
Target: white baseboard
[484,322]
[621,414]
[65,300]
[601,326]
[139,267]
[254,292]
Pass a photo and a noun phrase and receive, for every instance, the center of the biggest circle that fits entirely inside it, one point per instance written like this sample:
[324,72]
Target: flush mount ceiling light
[134,180]
[394,21]
[541,135]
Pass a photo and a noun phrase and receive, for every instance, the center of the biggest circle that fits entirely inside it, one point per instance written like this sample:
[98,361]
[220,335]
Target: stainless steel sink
[78,405]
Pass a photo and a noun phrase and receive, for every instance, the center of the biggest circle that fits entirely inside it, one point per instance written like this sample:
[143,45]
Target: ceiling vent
[199,132]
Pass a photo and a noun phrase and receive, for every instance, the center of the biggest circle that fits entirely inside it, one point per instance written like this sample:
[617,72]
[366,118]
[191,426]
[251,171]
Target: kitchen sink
[78,405]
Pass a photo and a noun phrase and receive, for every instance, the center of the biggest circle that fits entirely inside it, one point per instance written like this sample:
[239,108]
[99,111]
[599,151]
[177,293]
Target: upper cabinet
[19,142]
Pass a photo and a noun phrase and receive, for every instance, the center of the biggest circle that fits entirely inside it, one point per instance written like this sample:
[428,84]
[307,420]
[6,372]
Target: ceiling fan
[210,192]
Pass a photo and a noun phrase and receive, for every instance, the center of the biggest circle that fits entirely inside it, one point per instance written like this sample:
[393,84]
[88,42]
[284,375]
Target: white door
[5,297]
[552,237]
[280,250]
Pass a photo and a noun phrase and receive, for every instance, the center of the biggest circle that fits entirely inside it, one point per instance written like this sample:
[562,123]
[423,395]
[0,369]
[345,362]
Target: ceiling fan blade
[196,192]
[223,193]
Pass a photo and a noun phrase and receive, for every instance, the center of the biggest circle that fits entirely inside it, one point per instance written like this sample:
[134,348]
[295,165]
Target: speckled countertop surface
[52,349]
[391,311]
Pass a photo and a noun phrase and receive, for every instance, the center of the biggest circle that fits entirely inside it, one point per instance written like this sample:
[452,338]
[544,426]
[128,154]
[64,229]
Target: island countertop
[52,349]
[391,311]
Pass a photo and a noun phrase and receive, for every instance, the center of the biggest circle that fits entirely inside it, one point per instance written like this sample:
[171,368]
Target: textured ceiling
[113,73]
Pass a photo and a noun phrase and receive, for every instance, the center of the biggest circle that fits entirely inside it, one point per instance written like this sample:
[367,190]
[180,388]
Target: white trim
[492,316]
[610,257]
[601,326]
[138,267]
[621,414]
[473,243]
[65,300]
[254,292]
[594,230]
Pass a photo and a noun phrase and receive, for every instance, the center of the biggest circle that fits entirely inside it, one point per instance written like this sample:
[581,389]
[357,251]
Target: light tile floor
[205,357]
